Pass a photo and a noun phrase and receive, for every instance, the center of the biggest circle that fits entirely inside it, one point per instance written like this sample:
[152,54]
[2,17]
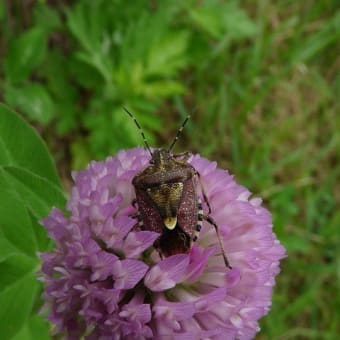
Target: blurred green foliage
[75,66]
[262,79]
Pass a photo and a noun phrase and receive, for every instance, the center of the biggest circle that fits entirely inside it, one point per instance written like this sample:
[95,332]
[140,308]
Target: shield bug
[167,201]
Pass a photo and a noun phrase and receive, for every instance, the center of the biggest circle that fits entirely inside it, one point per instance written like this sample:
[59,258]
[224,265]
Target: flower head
[104,279]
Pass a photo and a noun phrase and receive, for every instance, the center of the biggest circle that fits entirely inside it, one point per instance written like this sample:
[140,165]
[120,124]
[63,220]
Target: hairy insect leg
[210,220]
[199,221]
[203,193]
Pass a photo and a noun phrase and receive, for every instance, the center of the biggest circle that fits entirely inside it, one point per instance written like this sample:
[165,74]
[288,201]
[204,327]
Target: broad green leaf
[14,268]
[35,329]
[25,53]
[40,233]
[15,223]
[33,100]
[21,146]
[16,303]
[39,328]
[6,248]
[36,192]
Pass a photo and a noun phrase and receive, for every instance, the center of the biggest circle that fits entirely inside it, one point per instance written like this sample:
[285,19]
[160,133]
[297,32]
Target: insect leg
[199,221]
[213,223]
[203,193]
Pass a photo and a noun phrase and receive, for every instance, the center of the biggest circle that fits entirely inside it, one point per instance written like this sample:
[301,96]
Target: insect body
[167,200]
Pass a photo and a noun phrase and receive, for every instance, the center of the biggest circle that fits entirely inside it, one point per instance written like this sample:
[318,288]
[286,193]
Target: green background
[261,82]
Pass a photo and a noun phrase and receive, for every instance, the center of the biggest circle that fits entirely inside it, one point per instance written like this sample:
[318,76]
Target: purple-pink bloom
[104,279]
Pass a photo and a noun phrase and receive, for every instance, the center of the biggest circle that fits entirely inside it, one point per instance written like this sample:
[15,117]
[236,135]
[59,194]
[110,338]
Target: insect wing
[149,213]
[188,209]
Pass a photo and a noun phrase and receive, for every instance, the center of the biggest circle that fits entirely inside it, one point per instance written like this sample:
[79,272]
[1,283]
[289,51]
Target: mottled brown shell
[166,189]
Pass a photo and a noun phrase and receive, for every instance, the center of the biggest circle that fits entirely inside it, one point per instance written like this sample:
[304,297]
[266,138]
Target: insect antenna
[140,129]
[178,133]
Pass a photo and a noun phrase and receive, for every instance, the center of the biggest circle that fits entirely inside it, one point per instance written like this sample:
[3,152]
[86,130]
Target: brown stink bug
[167,199]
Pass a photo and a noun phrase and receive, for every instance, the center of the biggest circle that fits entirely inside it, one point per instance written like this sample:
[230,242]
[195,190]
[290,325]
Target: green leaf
[15,223]
[220,19]
[21,146]
[16,303]
[207,19]
[44,243]
[163,88]
[87,23]
[14,268]
[84,74]
[25,53]
[6,248]
[168,56]
[47,17]
[36,193]
[33,100]
[57,72]
[35,328]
